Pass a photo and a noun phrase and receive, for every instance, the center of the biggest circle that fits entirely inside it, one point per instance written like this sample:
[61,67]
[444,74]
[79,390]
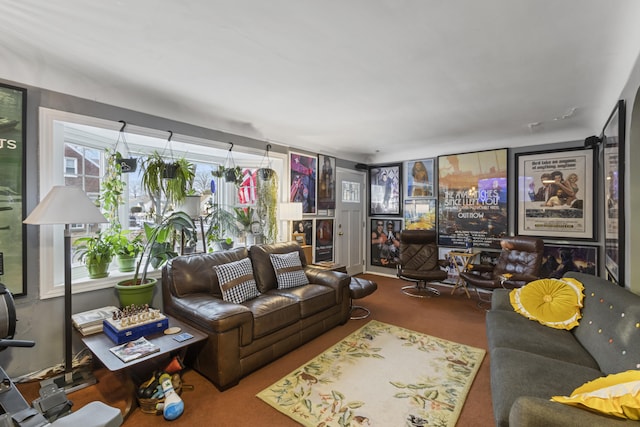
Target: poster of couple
[555,194]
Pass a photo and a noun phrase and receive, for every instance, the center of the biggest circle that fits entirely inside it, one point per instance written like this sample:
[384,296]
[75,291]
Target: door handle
[340,233]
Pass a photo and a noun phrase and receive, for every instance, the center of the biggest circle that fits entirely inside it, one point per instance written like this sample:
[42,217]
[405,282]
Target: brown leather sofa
[244,337]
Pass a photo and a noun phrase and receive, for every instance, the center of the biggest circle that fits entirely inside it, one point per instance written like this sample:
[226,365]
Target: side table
[99,344]
[331,266]
[461,260]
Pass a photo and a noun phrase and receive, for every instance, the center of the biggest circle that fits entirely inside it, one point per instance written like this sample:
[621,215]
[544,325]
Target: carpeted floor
[451,317]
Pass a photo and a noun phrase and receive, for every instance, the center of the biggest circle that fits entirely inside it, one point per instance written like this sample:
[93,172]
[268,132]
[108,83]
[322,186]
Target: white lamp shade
[65,205]
[290,211]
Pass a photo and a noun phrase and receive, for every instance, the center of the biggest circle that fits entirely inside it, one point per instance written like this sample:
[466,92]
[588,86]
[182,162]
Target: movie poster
[12,132]
[324,240]
[385,242]
[326,183]
[472,199]
[303,181]
[555,194]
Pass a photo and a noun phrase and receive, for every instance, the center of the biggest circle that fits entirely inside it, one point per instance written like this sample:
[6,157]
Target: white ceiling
[366,80]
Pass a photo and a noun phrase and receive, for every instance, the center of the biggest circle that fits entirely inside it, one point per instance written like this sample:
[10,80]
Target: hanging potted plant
[158,249]
[156,185]
[232,175]
[96,252]
[267,201]
[126,164]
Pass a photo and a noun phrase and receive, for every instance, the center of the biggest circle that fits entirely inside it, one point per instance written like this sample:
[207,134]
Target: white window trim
[51,173]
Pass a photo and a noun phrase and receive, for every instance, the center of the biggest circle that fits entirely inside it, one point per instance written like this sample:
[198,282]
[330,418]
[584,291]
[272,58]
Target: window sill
[88,285]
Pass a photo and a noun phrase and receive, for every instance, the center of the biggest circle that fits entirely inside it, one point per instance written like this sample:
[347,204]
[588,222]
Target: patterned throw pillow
[289,271]
[236,281]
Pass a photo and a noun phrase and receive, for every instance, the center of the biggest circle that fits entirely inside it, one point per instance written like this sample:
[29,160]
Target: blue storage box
[120,336]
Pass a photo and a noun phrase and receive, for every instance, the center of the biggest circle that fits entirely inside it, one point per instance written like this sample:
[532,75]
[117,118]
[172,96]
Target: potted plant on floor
[96,252]
[158,249]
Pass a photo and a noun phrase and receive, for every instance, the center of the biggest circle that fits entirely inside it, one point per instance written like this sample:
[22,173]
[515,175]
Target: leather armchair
[419,263]
[518,264]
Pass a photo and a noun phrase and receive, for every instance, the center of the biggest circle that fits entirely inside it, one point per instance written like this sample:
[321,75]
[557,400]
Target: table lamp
[290,212]
[67,205]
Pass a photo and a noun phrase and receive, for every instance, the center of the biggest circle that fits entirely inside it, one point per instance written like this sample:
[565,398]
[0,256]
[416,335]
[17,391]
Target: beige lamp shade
[290,211]
[65,205]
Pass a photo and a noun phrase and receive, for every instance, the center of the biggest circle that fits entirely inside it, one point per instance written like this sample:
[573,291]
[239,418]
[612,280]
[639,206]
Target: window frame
[52,172]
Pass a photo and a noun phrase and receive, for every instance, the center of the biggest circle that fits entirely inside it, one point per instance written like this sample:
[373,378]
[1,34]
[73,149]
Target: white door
[350,220]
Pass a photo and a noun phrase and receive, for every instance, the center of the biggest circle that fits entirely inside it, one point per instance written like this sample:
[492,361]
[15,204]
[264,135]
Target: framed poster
[614,145]
[419,178]
[385,189]
[420,214]
[304,228]
[13,113]
[326,182]
[385,246]
[559,259]
[555,194]
[303,181]
[324,240]
[472,198]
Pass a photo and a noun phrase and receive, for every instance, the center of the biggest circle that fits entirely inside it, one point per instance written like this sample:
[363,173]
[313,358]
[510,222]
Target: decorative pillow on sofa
[236,281]
[617,395]
[552,302]
[289,271]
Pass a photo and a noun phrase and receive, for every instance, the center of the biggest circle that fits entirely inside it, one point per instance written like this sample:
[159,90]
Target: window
[70,166]
[72,152]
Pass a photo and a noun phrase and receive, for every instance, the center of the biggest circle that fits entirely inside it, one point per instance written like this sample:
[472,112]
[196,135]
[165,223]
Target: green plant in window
[96,252]
[168,181]
[267,200]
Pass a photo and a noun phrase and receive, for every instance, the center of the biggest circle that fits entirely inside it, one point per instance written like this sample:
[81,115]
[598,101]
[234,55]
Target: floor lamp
[67,205]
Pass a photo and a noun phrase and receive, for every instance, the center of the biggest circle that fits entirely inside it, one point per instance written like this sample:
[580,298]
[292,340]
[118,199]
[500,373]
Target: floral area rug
[380,375]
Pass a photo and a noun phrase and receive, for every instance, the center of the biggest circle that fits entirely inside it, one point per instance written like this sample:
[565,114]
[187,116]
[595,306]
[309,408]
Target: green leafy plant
[223,225]
[158,186]
[159,246]
[267,201]
[123,243]
[230,174]
[96,252]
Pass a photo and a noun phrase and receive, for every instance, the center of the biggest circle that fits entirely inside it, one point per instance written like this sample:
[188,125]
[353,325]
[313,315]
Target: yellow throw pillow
[617,395]
[552,302]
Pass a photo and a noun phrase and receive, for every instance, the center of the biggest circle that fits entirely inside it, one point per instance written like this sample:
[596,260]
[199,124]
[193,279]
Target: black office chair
[419,263]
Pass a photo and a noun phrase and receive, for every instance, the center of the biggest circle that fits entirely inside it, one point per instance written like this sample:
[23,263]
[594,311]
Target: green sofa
[531,362]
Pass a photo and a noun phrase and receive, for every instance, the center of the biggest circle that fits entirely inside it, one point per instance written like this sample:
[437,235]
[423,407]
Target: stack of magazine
[134,349]
[90,322]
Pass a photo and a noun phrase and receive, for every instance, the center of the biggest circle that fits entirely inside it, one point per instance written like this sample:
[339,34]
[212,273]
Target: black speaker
[361,166]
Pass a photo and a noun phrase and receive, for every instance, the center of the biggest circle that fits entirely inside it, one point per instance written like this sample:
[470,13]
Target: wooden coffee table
[99,344]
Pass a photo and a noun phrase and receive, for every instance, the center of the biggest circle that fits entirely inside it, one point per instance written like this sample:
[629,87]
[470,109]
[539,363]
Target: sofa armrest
[213,315]
[537,412]
[333,279]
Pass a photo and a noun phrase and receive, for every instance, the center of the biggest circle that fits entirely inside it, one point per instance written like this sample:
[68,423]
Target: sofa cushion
[555,303]
[617,395]
[610,326]
[236,281]
[192,274]
[263,269]
[289,271]
[310,298]
[511,330]
[272,312]
[516,373]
